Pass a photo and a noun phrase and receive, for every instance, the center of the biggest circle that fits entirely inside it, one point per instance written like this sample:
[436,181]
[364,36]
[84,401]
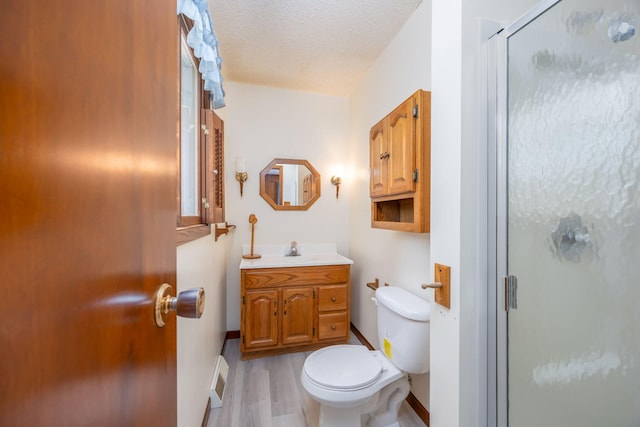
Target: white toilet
[358,387]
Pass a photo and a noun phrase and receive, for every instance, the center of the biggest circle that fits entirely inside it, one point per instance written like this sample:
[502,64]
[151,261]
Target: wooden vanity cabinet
[400,160]
[289,309]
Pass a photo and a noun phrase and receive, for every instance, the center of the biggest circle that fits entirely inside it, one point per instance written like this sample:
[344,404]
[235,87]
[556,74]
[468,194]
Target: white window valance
[205,47]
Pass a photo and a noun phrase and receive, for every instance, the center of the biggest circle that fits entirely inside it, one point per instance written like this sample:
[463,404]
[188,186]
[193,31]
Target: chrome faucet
[293,250]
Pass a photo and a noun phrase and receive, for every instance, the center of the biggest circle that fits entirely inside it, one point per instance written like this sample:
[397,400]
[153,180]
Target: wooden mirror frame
[274,164]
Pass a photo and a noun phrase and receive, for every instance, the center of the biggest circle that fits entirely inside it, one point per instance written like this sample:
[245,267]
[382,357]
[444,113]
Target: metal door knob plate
[189,303]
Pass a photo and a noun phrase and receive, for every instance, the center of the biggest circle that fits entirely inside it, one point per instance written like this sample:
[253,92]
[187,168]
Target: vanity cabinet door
[297,315]
[260,310]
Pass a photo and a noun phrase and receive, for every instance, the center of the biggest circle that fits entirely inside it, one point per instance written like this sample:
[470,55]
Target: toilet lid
[343,367]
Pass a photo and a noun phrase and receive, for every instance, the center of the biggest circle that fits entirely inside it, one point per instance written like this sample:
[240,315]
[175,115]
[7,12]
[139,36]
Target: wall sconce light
[241,174]
[336,180]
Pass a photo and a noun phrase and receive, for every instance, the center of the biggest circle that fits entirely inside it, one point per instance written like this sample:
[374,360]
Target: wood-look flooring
[267,392]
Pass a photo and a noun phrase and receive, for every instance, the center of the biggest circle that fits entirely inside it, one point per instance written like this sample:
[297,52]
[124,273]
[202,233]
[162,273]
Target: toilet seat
[343,367]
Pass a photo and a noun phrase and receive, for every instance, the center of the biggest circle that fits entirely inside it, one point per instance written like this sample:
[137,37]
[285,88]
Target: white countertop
[273,256]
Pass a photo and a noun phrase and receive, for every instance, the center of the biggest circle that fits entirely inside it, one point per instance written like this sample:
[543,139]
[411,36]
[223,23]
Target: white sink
[274,261]
[300,259]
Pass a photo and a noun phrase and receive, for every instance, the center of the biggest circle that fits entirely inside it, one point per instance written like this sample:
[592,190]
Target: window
[189,137]
[200,200]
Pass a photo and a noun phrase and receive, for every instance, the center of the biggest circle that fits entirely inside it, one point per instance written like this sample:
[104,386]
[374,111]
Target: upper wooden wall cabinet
[400,151]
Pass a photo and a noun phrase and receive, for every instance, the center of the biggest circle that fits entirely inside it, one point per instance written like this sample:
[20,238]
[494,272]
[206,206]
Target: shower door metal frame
[498,210]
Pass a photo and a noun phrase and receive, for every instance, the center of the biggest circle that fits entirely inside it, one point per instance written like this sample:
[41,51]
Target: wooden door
[297,315]
[401,140]
[309,188]
[88,114]
[260,319]
[273,185]
[378,160]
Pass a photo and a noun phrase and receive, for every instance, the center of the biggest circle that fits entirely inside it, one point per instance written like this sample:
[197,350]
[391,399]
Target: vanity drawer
[332,325]
[332,298]
[287,276]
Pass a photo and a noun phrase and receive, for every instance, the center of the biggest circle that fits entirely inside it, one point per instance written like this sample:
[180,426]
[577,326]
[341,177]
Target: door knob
[189,303]
[435,285]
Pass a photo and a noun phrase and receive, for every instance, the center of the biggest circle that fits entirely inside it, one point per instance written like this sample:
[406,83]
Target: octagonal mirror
[289,184]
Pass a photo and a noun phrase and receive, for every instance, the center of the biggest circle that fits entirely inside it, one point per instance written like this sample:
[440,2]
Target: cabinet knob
[333,327]
[333,299]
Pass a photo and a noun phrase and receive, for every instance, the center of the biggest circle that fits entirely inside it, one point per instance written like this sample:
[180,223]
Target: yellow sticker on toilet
[387,348]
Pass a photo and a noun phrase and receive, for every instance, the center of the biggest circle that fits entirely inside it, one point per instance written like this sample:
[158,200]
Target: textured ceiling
[323,46]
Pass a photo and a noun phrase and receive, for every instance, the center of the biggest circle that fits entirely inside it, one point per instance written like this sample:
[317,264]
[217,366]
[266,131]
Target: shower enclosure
[568,208]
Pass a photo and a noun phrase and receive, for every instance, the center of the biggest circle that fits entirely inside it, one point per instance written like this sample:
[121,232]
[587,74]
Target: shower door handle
[510,293]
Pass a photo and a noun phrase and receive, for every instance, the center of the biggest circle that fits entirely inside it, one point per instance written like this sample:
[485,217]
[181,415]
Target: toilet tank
[403,328]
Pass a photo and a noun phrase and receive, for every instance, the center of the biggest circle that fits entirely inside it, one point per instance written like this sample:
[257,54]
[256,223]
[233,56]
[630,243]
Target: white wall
[398,258]
[261,124]
[445,198]
[200,263]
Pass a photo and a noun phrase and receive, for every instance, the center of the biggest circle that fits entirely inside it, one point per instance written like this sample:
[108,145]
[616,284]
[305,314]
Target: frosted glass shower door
[573,215]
